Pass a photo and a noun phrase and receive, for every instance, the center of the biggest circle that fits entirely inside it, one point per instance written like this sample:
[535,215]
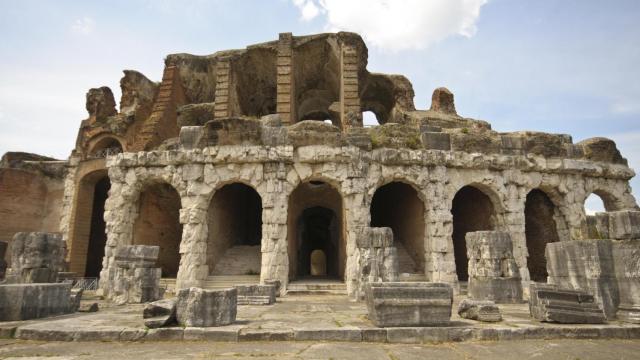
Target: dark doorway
[472,210]
[540,229]
[97,234]
[318,231]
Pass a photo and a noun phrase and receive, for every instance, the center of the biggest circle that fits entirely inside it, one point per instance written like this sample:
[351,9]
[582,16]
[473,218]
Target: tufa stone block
[196,307]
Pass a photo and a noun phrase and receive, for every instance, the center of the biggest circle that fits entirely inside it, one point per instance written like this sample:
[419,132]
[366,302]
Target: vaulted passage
[235,231]
[315,232]
[540,229]
[472,210]
[97,235]
[158,223]
[396,205]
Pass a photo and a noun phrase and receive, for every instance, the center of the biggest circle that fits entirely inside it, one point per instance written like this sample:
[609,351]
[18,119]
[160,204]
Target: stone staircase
[239,260]
[405,261]
[320,286]
[216,282]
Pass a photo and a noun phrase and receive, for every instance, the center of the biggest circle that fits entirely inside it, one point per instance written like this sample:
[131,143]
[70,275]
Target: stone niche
[608,269]
[37,257]
[392,304]
[493,272]
[136,280]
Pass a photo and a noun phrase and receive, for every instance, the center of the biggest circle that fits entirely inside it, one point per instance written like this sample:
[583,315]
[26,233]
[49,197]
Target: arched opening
[88,233]
[540,229]
[158,223]
[235,231]
[106,146]
[594,204]
[318,263]
[472,210]
[397,205]
[369,119]
[315,223]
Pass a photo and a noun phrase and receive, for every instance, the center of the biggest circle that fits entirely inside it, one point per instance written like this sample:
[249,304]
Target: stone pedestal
[256,294]
[493,272]
[33,301]
[378,258]
[196,307]
[550,303]
[37,257]
[409,304]
[135,279]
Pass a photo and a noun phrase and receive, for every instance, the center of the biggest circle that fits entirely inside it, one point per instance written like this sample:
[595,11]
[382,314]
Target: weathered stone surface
[436,140]
[32,301]
[37,257]
[195,114]
[74,299]
[409,304]
[275,283]
[256,294]
[481,310]
[100,104]
[587,266]
[138,93]
[3,262]
[134,279]
[618,225]
[89,307]
[549,303]
[493,272]
[378,258]
[442,101]
[197,307]
[626,255]
[160,313]
[601,149]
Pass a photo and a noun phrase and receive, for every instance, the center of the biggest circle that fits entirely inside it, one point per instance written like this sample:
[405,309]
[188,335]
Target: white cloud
[84,26]
[397,24]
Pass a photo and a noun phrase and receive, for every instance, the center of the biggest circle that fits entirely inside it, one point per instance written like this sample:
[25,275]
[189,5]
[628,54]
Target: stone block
[276,283]
[197,307]
[256,294]
[493,272]
[136,256]
[74,299]
[160,313]
[89,307]
[626,257]
[618,225]
[436,140]
[3,262]
[37,257]
[33,301]
[481,310]
[549,303]
[396,304]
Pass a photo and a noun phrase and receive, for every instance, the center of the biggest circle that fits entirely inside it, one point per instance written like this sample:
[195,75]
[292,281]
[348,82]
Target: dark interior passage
[97,234]
[235,231]
[317,226]
[158,223]
[397,205]
[540,229]
[472,210]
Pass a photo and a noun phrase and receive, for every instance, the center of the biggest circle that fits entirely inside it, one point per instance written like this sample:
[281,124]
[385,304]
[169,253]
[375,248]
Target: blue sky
[562,66]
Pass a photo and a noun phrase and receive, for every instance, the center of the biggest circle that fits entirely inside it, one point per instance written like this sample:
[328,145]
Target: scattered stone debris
[480,310]
[160,313]
[89,307]
[550,303]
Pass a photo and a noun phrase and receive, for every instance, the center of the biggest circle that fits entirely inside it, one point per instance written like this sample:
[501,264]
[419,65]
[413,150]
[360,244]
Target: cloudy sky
[562,66]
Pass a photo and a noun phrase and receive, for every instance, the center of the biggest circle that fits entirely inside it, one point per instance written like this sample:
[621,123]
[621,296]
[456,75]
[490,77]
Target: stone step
[217,281]
[405,277]
[406,264]
[316,287]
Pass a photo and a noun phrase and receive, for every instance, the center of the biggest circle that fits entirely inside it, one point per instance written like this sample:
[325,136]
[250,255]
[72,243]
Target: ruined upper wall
[322,78]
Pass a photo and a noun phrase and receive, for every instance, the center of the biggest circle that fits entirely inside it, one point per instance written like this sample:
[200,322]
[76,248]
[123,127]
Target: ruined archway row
[356,186]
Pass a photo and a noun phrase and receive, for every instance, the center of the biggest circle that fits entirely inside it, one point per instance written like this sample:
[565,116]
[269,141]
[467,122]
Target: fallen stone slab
[403,304]
[33,301]
[160,313]
[548,303]
[480,310]
[256,294]
[196,307]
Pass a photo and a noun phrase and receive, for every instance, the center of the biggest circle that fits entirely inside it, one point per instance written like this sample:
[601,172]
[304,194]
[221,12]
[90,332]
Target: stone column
[193,270]
[440,263]
[285,82]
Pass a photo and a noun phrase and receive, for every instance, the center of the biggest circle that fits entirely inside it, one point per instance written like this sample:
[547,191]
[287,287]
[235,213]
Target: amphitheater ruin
[255,163]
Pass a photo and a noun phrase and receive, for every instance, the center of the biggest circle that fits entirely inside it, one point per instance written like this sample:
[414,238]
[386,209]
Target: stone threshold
[408,335]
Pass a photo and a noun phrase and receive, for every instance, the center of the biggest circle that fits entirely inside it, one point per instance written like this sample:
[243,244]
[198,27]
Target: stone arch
[158,223]
[87,238]
[234,230]
[542,222]
[103,145]
[315,220]
[609,200]
[473,208]
[399,205]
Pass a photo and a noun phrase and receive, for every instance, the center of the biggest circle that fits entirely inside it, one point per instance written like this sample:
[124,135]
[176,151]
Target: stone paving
[304,318]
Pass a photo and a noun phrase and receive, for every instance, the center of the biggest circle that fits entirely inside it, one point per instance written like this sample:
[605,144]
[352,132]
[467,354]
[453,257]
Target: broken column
[493,272]
[378,258]
[37,257]
[256,294]
[392,304]
[136,279]
[197,307]
[549,303]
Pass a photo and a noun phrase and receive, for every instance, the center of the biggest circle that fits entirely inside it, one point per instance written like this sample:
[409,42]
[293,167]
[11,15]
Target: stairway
[405,261]
[317,286]
[239,260]
[216,282]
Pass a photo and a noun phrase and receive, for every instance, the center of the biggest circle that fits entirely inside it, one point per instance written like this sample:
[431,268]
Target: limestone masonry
[255,164]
